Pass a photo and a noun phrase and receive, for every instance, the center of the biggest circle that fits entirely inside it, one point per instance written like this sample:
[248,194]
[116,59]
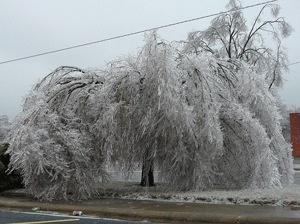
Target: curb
[140,214]
[297,167]
[125,214]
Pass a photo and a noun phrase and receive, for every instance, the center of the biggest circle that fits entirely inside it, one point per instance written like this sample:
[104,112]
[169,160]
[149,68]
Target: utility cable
[294,63]
[130,34]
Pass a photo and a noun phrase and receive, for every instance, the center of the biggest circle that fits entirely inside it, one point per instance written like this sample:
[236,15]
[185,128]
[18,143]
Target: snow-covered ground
[288,195]
[129,189]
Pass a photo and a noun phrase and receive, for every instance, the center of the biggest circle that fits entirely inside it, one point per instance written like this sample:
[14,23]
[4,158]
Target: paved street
[9,217]
[297,172]
[297,177]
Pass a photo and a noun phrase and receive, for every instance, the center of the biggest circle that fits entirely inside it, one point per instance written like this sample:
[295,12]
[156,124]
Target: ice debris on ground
[285,196]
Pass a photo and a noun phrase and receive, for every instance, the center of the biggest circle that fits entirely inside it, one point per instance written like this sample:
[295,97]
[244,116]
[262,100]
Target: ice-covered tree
[229,36]
[228,39]
[202,118]
[4,127]
[52,144]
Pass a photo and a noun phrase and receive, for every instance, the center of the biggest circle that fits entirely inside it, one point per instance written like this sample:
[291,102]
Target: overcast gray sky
[36,26]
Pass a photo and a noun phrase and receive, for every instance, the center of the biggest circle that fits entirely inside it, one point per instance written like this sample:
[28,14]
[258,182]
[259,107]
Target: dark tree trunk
[147,178]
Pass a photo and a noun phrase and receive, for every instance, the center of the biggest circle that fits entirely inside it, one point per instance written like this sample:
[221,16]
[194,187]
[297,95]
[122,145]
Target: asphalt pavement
[15,217]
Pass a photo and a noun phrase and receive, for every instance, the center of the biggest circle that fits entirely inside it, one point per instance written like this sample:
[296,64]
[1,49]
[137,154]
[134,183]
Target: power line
[130,34]
[294,63]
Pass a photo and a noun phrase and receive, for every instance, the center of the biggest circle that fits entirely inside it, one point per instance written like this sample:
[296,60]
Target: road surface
[297,177]
[13,217]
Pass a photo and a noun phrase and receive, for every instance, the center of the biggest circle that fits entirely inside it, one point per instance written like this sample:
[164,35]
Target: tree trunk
[147,178]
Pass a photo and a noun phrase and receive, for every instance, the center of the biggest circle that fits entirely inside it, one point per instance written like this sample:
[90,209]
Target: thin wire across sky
[130,34]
